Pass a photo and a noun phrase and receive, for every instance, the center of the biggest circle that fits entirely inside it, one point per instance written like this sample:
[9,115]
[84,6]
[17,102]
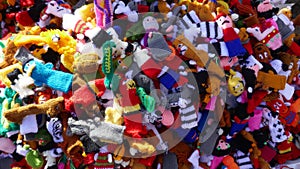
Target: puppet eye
[266,54]
[261,56]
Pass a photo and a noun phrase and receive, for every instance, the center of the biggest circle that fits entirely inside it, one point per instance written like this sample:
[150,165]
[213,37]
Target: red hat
[220,14]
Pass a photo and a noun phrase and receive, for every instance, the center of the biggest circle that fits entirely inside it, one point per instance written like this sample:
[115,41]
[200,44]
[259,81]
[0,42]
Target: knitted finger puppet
[34,158]
[265,80]
[270,36]
[8,100]
[57,40]
[289,62]
[221,150]
[262,53]
[244,37]
[5,71]
[57,10]
[71,145]
[103,159]
[9,52]
[287,117]
[104,12]
[51,107]
[20,83]
[236,83]
[154,40]
[120,9]
[231,38]
[107,64]
[29,17]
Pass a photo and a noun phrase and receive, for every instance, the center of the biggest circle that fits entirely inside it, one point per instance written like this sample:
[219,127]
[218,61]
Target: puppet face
[150,23]
[29,65]
[262,53]
[222,145]
[224,22]
[236,84]
[57,10]
[228,62]
[277,106]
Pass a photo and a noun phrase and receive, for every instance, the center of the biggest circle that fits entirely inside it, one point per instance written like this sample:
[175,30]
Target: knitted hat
[23,55]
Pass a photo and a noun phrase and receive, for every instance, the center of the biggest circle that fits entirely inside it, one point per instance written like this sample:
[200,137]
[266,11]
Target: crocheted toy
[5,71]
[270,36]
[262,53]
[231,38]
[20,83]
[289,62]
[71,145]
[103,159]
[128,10]
[51,107]
[33,158]
[56,40]
[9,51]
[236,83]
[265,80]
[8,101]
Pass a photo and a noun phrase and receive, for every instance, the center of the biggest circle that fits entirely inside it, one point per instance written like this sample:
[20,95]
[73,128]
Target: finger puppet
[20,83]
[265,80]
[5,71]
[236,83]
[34,158]
[262,53]
[103,159]
[104,12]
[128,10]
[51,107]
[43,73]
[9,51]
[56,40]
[8,101]
[286,116]
[289,62]
[270,36]
[244,37]
[231,38]
[154,40]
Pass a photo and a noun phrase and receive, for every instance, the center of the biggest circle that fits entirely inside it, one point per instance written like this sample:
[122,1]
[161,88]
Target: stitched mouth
[226,21]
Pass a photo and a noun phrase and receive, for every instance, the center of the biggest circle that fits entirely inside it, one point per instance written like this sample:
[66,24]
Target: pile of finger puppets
[149,84]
